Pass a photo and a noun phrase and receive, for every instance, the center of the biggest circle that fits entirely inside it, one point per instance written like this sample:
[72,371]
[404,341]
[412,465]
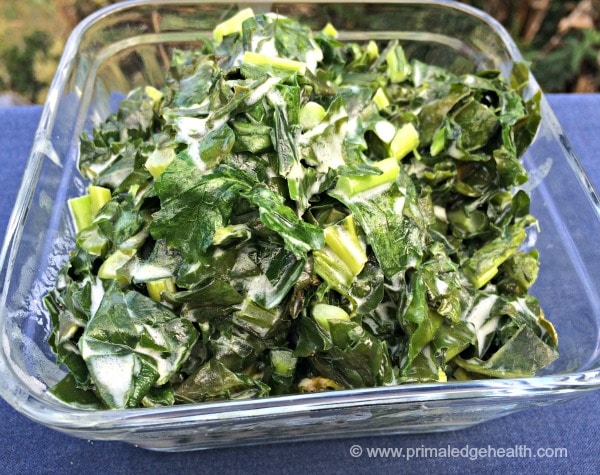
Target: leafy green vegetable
[293,213]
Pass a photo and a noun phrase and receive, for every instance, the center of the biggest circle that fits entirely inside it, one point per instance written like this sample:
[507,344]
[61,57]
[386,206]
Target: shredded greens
[293,213]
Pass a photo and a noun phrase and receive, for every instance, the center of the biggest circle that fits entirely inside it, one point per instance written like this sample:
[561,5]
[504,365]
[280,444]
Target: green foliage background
[561,39]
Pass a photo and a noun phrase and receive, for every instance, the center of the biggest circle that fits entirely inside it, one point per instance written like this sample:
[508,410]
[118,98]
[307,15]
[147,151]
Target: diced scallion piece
[380,99]
[343,239]
[466,224]
[110,267]
[228,233]
[352,185]
[255,318]
[332,269]
[283,368]
[259,59]
[343,256]
[156,287]
[372,50]
[232,25]
[159,160]
[99,196]
[81,211]
[153,94]
[323,313]
[311,114]
[385,131]
[330,30]
[405,141]
[398,68]
[283,361]
[438,142]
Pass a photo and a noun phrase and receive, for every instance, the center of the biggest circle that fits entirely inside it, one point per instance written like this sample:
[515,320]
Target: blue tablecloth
[568,431]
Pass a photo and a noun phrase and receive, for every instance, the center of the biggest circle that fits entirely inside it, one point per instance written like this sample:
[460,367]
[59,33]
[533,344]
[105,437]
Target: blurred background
[560,38]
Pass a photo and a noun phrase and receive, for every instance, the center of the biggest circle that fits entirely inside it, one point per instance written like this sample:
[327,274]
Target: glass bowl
[129,44]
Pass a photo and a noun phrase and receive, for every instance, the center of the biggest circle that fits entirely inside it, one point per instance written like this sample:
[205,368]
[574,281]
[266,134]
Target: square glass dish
[129,44]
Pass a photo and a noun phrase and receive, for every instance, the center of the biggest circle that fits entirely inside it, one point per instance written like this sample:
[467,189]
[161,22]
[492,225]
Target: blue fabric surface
[26,447]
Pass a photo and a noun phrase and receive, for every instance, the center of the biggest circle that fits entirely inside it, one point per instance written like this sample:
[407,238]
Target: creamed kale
[293,213]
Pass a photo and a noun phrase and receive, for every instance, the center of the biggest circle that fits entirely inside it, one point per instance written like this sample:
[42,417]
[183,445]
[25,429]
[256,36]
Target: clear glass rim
[546,389]
[58,415]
